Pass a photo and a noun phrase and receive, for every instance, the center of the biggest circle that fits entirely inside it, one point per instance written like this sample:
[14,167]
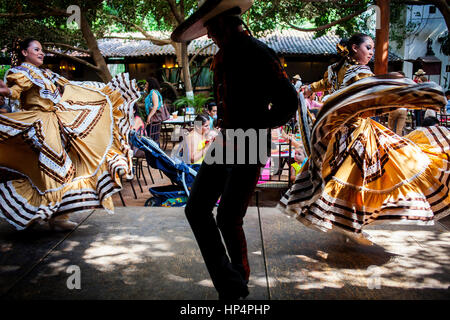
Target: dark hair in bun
[16,53]
[356,39]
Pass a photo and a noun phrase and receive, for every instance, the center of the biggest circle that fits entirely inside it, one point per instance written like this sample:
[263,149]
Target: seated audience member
[299,161]
[193,147]
[430,121]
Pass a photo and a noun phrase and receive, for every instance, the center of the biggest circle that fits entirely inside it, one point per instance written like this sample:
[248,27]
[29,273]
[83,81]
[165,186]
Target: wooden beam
[382,38]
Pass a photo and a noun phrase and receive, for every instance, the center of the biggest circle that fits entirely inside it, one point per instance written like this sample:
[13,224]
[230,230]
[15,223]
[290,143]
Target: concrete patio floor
[150,253]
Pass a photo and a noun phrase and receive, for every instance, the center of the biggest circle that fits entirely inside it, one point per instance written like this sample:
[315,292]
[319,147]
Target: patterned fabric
[361,173]
[63,157]
[44,79]
[345,76]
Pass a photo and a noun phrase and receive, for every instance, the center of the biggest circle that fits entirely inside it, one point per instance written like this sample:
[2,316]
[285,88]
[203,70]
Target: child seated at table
[299,161]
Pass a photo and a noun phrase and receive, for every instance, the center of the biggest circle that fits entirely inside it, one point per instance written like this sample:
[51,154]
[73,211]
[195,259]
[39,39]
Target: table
[181,120]
[168,126]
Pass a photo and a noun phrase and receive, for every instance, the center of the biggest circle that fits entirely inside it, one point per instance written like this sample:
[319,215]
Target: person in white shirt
[297,82]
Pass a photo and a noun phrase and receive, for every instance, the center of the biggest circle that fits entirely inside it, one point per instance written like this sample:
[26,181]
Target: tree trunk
[183,61]
[91,42]
[382,38]
[186,71]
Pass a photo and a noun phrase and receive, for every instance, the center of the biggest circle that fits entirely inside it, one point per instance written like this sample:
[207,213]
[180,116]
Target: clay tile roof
[285,42]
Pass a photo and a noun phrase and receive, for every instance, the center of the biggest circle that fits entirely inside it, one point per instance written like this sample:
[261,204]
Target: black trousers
[235,185]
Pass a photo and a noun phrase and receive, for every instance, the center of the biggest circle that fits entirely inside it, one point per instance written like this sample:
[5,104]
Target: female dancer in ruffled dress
[62,153]
[359,172]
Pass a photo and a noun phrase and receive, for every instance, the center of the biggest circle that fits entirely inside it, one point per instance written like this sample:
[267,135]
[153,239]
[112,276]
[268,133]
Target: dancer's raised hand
[4,90]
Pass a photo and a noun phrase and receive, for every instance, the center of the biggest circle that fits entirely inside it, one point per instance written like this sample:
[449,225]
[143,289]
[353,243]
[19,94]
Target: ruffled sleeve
[321,85]
[18,83]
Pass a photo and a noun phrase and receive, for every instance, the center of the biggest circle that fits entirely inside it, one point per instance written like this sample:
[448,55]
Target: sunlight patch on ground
[421,261]
[9,268]
[54,269]
[71,245]
[174,277]
[206,283]
[125,250]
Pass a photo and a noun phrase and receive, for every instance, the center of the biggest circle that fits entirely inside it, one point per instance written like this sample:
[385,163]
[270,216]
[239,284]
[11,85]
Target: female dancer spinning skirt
[359,172]
[61,153]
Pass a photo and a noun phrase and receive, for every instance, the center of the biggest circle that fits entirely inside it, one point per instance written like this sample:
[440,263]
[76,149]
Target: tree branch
[81,61]
[274,7]
[329,25]
[198,52]
[28,15]
[67,47]
[175,12]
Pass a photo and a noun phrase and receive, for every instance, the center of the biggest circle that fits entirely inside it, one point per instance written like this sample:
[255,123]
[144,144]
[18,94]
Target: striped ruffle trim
[20,213]
[327,213]
[130,94]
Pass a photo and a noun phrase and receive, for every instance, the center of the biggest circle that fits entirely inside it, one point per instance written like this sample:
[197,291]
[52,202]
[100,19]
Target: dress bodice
[347,74]
[35,88]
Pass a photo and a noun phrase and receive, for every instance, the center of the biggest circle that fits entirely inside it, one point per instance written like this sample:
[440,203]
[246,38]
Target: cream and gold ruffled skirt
[68,159]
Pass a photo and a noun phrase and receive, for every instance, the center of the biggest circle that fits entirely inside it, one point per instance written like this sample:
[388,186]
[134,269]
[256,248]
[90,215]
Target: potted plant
[197,102]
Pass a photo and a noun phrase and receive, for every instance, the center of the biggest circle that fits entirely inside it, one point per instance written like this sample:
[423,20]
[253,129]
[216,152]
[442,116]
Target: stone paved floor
[150,253]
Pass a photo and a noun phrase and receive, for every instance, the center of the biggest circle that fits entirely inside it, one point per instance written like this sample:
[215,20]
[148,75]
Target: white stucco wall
[429,25]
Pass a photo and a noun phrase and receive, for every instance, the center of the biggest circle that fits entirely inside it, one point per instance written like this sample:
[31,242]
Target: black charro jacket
[248,76]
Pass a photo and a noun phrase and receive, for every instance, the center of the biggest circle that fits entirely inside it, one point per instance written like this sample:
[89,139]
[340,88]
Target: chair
[121,198]
[153,130]
[277,180]
[132,187]
[138,160]
[166,133]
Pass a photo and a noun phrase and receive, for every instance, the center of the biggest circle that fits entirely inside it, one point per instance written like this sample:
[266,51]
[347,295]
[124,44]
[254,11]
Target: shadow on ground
[150,253]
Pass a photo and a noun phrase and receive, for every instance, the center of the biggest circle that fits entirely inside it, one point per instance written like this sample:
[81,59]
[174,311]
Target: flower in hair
[342,50]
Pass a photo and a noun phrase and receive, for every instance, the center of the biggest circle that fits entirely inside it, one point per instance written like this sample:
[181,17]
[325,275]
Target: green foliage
[46,27]
[197,103]
[151,15]
[268,15]
[3,70]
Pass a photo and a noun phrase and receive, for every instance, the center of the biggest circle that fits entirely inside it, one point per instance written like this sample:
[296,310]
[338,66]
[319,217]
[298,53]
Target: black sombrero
[194,26]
